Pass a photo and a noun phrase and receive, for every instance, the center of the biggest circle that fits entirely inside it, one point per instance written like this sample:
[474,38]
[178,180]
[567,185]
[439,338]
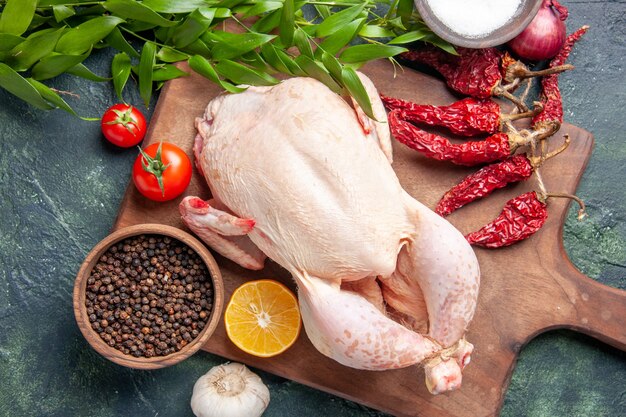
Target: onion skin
[544,37]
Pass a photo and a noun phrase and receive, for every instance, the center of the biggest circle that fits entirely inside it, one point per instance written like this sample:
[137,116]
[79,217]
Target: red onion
[544,36]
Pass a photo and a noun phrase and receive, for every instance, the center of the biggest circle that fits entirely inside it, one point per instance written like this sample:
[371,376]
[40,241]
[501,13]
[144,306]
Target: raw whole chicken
[303,177]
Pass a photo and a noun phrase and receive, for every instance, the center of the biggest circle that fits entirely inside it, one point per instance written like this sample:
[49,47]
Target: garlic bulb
[229,390]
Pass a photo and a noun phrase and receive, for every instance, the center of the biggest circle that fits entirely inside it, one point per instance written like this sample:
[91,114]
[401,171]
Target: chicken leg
[222,231]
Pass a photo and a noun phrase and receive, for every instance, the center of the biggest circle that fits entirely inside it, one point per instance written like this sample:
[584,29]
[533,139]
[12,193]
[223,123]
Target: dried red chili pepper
[485,181]
[550,119]
[467,117]
[563,12]
[494,148]
[492,177]
[476,72]
[521,217]
[506,61]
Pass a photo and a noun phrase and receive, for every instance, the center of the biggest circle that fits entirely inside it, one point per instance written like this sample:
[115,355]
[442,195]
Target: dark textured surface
[61,185]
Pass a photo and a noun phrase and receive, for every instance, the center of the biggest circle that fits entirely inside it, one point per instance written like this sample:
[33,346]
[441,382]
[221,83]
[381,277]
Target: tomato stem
[125,119]
[154,166]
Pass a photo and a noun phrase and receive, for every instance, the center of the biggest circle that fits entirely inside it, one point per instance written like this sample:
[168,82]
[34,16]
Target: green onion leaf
[8,41]
[226,45]
[335,42]
[166,54]
[138,26]
[369,52]
[203,67]
[220,12]
[17,85]
[323,11]
[440,43]
[116,40]
[409,37]
[405,10]
[197,47]
[51,96]
[316,70]
[229,3]
[146,65]
[17,15]
[55,64]
[192,27]
[186,30]
[168,72]
[301,41]
[240,74]
[396,23]
[338,20]
[374,31]
[268,22]
[333,66]
[82,71]
[38,20]
[294,67]
[35,47]
[356,89]
[55,99]
[164,34]
[48,3]
[131,9]
[62,12]
[263,7]
[174,6]
[256,61]
[120,71]
[268,52]
[81,38]
[286,23]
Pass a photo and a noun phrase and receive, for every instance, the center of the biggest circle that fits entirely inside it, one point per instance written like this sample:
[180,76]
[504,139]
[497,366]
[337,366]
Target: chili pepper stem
[502,92]
[529,84]
[537,161]
[545,130]
[564,145]
[519,71]
[549,71]
[542,152]
[511,86]
[517,140]
[537,108]
[582,211]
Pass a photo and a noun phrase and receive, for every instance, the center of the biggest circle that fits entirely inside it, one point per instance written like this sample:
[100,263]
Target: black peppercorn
[161,308]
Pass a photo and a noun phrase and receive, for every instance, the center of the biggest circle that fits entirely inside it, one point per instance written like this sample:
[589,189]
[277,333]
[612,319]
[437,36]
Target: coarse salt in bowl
[477,23]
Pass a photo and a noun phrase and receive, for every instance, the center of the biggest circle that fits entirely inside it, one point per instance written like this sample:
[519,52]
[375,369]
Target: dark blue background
[61,185]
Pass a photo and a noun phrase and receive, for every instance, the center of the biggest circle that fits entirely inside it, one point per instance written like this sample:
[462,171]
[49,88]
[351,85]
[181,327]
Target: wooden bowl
[80,286]
[525,13]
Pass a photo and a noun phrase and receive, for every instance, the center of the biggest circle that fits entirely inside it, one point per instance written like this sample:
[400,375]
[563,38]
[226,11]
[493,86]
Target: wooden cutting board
[526,289]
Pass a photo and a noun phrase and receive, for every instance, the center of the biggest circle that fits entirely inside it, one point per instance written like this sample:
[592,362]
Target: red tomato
[123,125]
[162,171]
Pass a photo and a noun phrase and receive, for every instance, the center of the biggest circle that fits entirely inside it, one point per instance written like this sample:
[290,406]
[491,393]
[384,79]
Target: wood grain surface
[526,289]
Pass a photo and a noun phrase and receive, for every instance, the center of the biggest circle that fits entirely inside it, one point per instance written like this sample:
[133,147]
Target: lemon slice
[262,318]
